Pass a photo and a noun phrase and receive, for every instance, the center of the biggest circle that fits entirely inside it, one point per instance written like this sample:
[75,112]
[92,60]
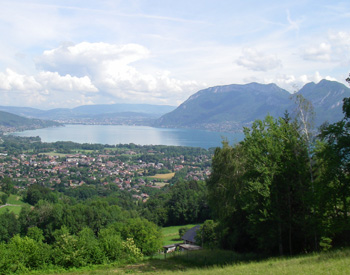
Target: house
[170,248]
[189,242]
[189,247]
[189,236]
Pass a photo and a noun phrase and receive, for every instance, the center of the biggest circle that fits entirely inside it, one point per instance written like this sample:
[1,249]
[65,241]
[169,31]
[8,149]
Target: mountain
[97,114]
[327,99]
[230,107]
[11,122]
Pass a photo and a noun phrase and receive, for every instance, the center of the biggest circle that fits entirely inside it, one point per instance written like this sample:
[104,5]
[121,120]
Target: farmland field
[167,176]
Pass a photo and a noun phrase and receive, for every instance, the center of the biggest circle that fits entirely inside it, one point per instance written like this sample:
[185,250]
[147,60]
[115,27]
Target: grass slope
[227,262]
[16,204]
[171,233]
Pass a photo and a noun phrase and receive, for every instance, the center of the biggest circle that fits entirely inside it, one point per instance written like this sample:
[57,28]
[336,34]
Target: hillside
[96,114]
[327,99]
[10,122]
[227,262]
[230,107]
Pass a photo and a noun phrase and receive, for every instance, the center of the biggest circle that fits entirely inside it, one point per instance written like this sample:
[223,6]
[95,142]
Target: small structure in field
[190,235]
[189,247]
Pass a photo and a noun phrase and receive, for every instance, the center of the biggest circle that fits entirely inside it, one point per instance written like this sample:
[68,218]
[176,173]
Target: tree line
[282,190]
[59,231]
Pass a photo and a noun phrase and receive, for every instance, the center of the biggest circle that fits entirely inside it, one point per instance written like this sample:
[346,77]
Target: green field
[16,204]
[54,154]
[14,199]
[14,209]
[227,262]
[171,234]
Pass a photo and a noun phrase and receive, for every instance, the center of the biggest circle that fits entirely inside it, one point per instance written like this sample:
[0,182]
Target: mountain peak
[230,107]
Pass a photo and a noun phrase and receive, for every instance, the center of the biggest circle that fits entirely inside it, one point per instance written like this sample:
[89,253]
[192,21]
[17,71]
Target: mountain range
[11,122]
[219,108]
[230,107]
[96,114]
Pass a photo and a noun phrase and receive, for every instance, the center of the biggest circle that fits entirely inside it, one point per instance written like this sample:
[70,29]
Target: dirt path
[7,204]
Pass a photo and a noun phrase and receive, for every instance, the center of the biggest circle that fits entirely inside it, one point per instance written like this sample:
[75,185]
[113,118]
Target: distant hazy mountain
[228,108]
[104,113]
[327,99]
[11,122]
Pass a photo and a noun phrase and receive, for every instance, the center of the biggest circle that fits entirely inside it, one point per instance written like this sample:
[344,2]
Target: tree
[3,198]
[333,156]
[9,226]
[145,234]
[7,186]
[37,192]
[207,234]
[257,188]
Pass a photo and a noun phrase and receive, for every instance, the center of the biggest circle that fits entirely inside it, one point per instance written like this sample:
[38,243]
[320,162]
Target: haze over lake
[140,135]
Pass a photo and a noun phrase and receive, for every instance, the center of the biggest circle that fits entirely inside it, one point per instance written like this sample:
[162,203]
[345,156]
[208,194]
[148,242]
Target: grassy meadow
[16,204]
[227,262]
[171,233]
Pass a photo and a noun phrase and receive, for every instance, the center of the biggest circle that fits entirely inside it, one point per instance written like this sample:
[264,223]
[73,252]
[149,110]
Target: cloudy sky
[60,53]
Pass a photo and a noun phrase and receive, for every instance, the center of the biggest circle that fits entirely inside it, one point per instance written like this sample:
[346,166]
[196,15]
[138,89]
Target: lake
[140,135]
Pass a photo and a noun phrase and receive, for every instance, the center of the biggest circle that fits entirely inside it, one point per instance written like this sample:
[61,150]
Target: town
[132,168]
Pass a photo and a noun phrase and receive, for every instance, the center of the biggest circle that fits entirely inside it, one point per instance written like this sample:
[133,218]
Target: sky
[56,54]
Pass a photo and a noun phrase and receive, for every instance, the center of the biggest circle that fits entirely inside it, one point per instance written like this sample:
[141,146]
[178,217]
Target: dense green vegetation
[282,191]
[183,203]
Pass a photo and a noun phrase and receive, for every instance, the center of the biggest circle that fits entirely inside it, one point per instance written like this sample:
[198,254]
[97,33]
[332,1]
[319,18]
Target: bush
[182,231]
[110,243]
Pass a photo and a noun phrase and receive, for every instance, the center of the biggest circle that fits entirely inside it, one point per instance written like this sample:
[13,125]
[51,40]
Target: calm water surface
[141,135]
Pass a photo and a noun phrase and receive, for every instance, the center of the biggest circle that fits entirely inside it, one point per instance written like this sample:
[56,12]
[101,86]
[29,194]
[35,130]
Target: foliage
[182,231]
[131,250]
[3,198]
[37,192]
[207,234]
[333,161]
[9,226]
[7,186]
[262,183]
[146,235]
[184,202]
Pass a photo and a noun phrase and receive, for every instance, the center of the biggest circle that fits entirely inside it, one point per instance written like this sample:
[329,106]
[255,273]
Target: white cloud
[87,58]
[112,71]
[294,83]
[293,24]
[258,61]
[335,49]
[321,52]
[88,72]
[11,80]
[54,81]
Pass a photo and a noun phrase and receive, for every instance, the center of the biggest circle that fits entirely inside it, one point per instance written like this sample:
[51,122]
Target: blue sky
[71,53]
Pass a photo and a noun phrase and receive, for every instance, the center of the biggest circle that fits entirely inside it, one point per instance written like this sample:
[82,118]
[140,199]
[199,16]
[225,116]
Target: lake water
[141,135]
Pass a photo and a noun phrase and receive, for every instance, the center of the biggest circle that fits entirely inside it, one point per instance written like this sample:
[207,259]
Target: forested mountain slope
[230,107]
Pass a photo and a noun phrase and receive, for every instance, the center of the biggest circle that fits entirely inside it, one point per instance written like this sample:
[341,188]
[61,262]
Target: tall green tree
[257,188]
[333,157]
